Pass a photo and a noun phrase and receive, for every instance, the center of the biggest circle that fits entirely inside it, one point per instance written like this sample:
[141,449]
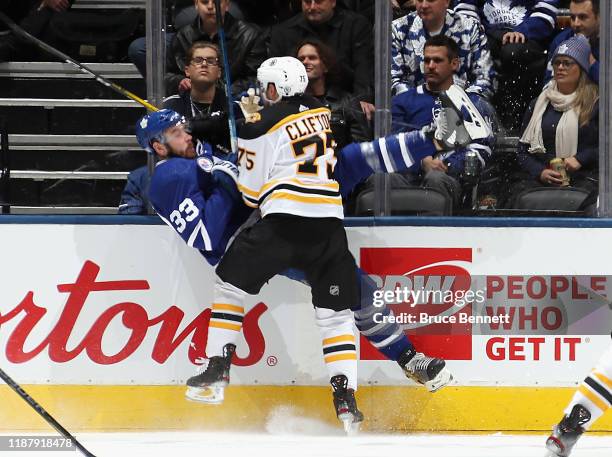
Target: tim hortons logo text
[134,318]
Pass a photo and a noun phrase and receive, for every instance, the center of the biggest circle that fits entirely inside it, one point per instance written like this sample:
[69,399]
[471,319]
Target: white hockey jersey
[286,160]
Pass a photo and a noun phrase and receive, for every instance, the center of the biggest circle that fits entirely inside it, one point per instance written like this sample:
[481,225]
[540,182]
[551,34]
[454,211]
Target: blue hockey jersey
[188,199]
[536,19]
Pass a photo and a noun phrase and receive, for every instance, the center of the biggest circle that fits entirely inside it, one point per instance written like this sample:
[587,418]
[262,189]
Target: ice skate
[208,386]
[457,122]
[566,433]
[429,371]
[346,405]
[473,121]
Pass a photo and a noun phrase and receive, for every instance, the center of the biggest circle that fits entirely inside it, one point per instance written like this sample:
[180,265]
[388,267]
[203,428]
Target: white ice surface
[288,435]
[226,444]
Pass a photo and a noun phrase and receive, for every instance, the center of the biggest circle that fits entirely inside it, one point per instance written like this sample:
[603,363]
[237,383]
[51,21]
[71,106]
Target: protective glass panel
[534,161]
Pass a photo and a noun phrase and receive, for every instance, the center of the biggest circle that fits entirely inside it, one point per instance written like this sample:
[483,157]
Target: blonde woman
[562,123]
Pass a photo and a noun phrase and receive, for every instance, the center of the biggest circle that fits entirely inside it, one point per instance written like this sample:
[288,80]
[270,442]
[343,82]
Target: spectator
[519,32]
[349,123]
[402,7]
[584,21]
[268,13]
[134,198]
[180,14]
[409,33]
[347,33]
[205,104]
[363,7]
[31,15]
[245,47]
[562,123]
[414,109]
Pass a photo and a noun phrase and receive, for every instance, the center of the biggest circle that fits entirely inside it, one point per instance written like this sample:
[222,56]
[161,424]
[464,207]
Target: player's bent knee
[227,288]
[328,318]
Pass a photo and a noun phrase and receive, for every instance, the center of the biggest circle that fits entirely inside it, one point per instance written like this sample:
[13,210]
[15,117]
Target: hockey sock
[226,317]
[339,351]
[373,323]
[595,393]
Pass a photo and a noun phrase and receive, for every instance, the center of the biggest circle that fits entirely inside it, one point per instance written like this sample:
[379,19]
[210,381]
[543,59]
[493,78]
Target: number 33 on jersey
[286,161]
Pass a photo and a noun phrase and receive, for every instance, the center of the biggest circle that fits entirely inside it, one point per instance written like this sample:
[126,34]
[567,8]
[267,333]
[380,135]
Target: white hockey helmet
[287,74]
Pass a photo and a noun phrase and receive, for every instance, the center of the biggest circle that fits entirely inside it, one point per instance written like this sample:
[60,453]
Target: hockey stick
[67,59]
[231,119]
[43,413]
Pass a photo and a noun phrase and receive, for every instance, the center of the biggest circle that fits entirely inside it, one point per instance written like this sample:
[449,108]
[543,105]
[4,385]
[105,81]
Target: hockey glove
[225,175]
[250,105]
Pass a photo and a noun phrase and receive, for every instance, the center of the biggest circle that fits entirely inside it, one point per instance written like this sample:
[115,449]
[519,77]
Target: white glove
[250,106]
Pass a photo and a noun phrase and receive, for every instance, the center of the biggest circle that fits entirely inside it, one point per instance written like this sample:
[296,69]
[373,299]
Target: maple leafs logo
[563,49]
[503,12]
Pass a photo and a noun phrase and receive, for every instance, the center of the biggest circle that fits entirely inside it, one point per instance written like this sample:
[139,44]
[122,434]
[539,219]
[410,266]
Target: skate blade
[212,395]
[443,379]
[473,121]
[351,428]
[459,136]
[553,447]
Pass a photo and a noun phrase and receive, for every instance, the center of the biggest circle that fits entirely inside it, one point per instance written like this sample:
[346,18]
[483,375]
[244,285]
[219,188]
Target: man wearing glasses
[204,103]
[246,47]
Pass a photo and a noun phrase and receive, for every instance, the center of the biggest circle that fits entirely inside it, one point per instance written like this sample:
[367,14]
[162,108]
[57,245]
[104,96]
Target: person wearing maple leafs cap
[519,32]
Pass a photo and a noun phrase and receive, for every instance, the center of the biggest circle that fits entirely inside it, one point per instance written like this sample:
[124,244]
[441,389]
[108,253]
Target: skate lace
[576,419]
[441,124]
[419,363]
[204,364]
[339,384]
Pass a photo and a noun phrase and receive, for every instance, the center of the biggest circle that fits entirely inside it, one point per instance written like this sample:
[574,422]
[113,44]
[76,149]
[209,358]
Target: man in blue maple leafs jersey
[411,110]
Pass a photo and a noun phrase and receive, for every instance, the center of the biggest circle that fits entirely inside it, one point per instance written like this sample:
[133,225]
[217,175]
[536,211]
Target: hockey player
[592,399]
[186,193]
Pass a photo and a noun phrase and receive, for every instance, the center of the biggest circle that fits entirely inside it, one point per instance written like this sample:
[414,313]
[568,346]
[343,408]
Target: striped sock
[226,318]
[388,338]
[339,351]
[595,393]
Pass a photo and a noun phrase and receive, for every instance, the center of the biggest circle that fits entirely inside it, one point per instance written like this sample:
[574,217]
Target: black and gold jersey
[286,160]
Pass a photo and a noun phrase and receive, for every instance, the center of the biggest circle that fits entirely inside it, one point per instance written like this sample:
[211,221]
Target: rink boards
[104,323]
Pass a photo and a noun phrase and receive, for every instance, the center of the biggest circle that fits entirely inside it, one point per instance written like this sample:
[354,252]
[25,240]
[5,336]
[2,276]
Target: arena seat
[552,199]
[406,201]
